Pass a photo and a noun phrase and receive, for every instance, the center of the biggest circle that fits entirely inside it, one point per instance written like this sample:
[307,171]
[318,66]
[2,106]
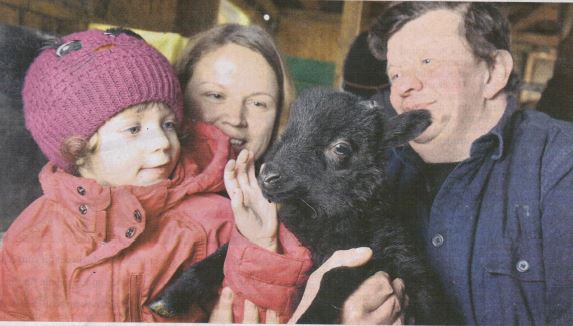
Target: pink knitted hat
[77,85]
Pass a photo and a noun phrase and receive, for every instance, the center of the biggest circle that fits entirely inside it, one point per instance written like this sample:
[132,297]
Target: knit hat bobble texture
[74,87]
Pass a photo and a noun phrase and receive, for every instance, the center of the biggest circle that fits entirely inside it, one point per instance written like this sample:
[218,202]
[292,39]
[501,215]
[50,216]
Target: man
[490,187]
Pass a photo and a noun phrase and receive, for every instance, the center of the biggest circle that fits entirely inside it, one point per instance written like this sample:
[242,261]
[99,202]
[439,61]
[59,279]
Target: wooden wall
[65,16]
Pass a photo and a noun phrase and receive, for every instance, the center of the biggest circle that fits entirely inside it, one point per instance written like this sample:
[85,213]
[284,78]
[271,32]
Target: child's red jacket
[83,252]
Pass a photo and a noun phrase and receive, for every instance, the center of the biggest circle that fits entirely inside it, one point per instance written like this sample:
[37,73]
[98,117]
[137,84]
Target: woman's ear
[498,74]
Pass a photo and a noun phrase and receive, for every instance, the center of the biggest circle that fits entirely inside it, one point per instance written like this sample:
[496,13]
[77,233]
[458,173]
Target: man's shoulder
[544,141]
[533,121]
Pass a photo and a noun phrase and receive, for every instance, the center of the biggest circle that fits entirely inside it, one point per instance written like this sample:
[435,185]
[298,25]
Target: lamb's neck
[323,235]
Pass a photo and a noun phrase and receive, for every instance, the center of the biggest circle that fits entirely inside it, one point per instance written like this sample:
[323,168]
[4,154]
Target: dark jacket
[500,230]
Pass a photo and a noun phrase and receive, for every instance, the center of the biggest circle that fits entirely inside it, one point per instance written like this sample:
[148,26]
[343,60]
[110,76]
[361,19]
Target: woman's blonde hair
[252,37]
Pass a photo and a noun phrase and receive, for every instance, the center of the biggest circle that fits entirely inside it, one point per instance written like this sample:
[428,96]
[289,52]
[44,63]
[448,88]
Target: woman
[234,78]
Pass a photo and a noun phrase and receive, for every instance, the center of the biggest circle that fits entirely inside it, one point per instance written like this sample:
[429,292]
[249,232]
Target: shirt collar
[498,136]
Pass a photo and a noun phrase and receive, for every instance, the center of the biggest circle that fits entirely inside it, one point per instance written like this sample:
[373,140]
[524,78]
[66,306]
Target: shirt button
[81,190]
[137,215]
[130,232]
[438,240]
[83,209]
[522,266]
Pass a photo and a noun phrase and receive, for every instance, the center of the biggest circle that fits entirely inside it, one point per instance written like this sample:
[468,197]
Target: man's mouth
[418,106]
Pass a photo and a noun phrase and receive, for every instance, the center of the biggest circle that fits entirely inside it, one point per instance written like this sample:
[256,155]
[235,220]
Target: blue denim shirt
[499,232]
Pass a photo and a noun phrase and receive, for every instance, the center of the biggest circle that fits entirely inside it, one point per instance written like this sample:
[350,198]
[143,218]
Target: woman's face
[235,89]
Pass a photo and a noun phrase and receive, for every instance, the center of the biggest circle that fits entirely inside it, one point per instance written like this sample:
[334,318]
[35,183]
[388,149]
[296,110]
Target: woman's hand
[223,311]
[255,217]
[376,301]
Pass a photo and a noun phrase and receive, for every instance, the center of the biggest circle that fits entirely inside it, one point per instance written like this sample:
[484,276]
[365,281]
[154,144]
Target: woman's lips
[237,144]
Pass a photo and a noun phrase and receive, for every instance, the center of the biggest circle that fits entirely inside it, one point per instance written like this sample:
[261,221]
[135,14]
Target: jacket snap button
[130,232]
[137,215]
[81,190]
[83,209]
[438,240]
[522,266]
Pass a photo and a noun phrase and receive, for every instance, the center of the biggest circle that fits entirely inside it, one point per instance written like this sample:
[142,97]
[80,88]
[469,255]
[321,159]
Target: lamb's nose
[271,178]
[269,175]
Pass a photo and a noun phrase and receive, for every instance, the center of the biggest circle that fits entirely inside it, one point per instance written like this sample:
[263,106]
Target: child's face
[138,146]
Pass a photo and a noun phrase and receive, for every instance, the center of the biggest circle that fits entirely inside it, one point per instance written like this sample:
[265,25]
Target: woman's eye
[214,96]
[257,103]
[427,61]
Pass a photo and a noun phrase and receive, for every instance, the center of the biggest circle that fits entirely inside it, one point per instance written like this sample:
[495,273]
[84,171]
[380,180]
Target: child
[125,206]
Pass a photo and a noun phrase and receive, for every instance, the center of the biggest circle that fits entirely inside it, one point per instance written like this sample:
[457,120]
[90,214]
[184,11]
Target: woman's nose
[235,115]
[407,84]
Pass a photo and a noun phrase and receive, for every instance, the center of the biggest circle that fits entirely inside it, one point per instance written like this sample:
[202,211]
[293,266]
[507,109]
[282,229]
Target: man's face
[431,66]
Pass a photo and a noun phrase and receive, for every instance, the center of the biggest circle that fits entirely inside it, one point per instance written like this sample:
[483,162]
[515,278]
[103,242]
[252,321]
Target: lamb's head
[331,154]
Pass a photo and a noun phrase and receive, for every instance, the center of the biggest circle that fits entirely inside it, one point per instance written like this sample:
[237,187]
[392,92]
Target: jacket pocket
[135,284]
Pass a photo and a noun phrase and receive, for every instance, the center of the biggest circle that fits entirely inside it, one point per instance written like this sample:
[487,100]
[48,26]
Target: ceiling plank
[545,12]
[536,39]
[310,4]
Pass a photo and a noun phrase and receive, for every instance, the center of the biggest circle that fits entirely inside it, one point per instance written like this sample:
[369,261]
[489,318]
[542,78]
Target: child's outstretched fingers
[243,164]
[232,186]
[255,218]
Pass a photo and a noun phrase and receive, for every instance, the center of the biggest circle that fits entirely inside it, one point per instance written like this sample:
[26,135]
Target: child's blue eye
[169,125]
[134,130]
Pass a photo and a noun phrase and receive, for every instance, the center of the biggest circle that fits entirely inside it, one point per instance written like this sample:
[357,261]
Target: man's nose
[407,83]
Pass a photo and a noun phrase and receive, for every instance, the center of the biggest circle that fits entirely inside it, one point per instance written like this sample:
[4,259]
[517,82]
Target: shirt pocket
[521,259]
[519,252]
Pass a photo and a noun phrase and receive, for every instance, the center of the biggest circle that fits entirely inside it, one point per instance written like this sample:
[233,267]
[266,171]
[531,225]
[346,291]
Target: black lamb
[327,173]
[21,159]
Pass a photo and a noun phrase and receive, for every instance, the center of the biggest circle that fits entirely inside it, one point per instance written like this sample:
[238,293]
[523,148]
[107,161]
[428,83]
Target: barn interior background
[314,35]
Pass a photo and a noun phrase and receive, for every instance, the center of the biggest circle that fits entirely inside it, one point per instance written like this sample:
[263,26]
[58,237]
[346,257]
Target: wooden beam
[310,4]
[567,20]
[349,28]
[546,12]
[50,8]
[536,39]
[194,16]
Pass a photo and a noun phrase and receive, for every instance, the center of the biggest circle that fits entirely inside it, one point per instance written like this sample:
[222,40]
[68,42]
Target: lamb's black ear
[402,128]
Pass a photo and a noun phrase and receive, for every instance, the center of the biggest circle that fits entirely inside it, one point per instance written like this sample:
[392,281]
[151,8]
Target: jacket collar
[200,170]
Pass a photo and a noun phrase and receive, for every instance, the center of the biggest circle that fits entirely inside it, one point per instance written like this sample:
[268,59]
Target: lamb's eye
[342,149]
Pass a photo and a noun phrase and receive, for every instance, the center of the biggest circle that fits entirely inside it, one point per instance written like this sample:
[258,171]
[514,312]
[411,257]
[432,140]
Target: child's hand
[255,217]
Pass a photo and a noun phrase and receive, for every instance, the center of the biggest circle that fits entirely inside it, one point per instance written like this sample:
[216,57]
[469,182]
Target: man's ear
[498,74]
[404,127]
